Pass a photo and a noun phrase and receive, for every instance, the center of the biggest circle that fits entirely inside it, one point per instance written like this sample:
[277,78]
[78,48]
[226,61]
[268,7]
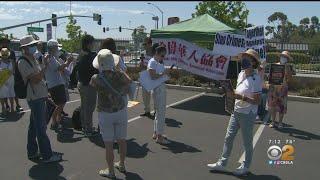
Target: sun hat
[5,53]
[287,55]
[252,53]
[52,43]
[27,41]
[105,60]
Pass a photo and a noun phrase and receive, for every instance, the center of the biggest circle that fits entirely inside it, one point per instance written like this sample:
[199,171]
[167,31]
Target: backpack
[76,121]
[20,88]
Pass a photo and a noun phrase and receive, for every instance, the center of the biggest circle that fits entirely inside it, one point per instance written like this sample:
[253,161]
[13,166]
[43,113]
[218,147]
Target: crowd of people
[104,85]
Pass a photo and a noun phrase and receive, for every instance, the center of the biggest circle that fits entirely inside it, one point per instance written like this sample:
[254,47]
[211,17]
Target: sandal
[122,169]
[106,173]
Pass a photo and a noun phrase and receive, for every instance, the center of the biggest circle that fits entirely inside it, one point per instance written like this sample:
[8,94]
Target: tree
[305,22]
[280,27]
[315,23]
[231,13]
[73,43]
[139,36]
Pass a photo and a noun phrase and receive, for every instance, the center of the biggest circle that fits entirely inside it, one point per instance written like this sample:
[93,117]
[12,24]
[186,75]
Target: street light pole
[159,10]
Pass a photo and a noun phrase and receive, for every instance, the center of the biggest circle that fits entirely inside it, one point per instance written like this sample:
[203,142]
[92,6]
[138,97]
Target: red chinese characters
[193,55]
[172,46]
[182,50]
[207,60]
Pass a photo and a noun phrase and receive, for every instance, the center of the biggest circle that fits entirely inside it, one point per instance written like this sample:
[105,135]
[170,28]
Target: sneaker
[53,158]
[271,125]
[19,108]
[122,169]
[146,114]
[240,171]
[106,173]
[163,142]
[90,133]
[217,167]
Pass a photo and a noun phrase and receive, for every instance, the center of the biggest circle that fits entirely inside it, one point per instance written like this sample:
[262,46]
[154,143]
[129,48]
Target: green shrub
[189,81]
[310,92]
[298,58]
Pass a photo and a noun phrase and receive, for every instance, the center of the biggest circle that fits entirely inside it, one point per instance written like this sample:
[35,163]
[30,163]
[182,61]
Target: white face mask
[283,60]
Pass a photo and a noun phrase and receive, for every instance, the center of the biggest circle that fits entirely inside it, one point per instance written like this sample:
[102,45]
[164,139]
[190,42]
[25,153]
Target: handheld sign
[229,98]
[276,74]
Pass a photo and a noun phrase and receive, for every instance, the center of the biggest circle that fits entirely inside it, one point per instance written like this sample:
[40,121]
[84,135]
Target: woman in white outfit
[7,90]
[156,71]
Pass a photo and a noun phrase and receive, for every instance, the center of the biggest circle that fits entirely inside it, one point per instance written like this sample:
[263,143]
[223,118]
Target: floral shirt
[108,101]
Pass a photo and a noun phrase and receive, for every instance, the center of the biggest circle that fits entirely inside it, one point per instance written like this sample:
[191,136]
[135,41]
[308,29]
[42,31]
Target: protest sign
[229,44]
[276,74]
[147,83]
[4,76]
[255,40]
[194,59]
[229,98]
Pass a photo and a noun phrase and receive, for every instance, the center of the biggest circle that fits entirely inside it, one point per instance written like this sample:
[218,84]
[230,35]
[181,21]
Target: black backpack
[20,88]
[76,121]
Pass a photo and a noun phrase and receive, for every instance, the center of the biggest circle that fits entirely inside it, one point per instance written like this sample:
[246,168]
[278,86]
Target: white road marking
[170,105]
[256,136]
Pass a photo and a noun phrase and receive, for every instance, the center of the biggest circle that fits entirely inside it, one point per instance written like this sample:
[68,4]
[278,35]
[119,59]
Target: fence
[310,50]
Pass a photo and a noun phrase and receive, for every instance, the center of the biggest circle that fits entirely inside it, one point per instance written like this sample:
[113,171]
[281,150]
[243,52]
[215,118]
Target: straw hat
[27,41]
[105,60]
[5,53]
[287,55]
[252,53]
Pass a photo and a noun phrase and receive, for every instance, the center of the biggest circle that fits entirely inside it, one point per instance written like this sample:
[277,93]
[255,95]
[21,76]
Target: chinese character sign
[194,59]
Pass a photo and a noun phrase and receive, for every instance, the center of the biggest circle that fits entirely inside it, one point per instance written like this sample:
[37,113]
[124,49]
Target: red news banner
[194,59]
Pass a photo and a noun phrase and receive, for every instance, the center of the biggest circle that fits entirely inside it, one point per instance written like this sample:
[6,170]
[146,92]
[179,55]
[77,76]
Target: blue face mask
[246,63]
[32,49]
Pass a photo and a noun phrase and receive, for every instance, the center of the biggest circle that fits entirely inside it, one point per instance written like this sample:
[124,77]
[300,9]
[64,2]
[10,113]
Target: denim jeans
[263,102]
[245,122]
[37,129]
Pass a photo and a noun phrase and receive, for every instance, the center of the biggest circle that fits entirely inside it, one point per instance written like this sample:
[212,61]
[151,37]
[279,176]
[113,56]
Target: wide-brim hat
[252,53]
[5,53]
[27,41]
[287,55]
[105,60]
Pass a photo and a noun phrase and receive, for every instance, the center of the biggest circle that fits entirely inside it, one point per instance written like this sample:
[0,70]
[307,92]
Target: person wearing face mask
[247,98]
[38,55]
[278,94]
[4,43]
[88,94]
[156,71]
[37,94]
[55,81]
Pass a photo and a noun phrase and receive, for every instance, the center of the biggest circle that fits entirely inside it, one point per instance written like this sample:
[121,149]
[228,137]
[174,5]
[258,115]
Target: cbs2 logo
[275,152]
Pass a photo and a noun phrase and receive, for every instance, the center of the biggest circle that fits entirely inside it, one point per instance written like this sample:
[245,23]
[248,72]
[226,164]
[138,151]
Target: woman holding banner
[157,70]
[247,98]
[278,94]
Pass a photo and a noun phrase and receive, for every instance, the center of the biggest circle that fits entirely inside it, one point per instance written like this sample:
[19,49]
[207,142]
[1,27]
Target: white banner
[255,40]
[149,84]
[194,59]
[229,44]
[232,44]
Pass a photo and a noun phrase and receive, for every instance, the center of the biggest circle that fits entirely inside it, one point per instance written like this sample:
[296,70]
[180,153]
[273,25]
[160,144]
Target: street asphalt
[195,124]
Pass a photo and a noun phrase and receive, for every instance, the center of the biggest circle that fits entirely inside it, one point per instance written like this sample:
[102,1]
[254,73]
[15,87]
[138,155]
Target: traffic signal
[104,29]
[107,28]
[119,28]
[54,21]
[99,19]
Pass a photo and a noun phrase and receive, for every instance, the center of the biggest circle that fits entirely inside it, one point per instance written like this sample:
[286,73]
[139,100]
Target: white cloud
[5,16]
[15,3]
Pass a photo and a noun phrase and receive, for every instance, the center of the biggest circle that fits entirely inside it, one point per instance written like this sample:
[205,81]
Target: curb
[220,91]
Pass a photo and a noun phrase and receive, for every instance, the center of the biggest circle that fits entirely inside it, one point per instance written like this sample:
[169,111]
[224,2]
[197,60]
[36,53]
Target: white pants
[159,99]
[146,99]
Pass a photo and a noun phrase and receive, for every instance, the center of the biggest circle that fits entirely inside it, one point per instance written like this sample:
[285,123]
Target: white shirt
[247,86]
[155,65]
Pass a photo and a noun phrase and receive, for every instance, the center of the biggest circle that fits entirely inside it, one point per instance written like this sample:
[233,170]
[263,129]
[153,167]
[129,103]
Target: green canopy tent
[200,30]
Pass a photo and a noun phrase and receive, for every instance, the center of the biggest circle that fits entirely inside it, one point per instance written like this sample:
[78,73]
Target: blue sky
[128,14]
